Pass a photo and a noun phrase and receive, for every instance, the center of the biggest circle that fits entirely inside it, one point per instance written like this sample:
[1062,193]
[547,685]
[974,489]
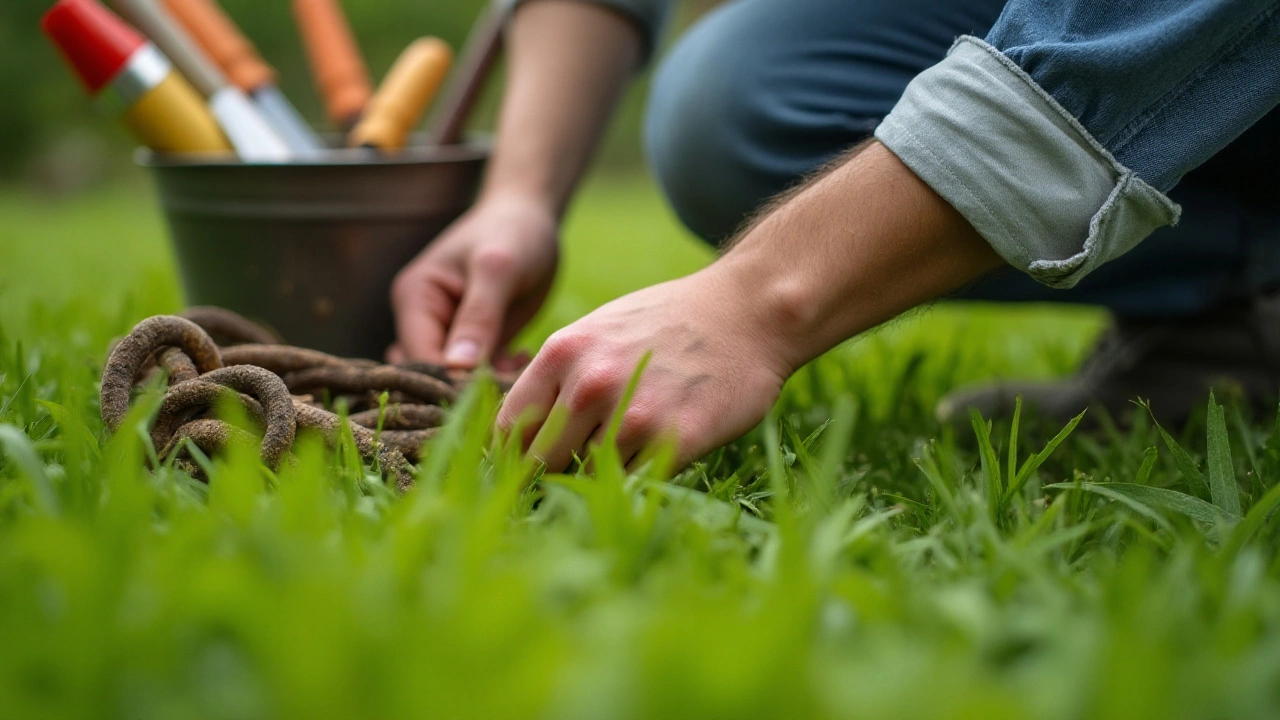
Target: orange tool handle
[335,59]
[403,95]
[223,42]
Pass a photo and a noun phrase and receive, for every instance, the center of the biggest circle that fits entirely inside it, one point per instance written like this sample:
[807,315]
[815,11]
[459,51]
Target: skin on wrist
[860,244]
[508,197]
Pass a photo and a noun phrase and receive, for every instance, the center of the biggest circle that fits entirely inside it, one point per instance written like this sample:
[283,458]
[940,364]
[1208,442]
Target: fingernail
[462,352]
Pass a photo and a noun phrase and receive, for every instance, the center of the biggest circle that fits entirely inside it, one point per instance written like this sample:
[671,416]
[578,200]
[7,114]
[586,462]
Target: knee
[702,132]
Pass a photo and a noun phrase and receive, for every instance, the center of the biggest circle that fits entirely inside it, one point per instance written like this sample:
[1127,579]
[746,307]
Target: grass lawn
[849,558]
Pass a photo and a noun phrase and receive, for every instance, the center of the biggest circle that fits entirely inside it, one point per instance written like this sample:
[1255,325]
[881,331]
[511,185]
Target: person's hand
[715,370]
[816,270]
[468,293]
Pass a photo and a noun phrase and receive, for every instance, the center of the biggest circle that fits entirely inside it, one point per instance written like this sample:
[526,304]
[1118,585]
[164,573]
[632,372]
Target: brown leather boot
[1172,363]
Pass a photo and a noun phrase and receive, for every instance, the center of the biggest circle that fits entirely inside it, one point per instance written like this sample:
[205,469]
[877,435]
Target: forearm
[568,64]
[853,248]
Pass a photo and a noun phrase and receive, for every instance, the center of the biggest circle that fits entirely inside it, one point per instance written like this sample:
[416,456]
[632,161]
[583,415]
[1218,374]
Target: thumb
[478,323]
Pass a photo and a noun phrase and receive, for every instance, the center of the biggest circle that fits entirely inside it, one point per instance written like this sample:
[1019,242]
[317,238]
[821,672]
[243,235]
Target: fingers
[564,403]
[528,404]
[557,406]
[423,302]
[640,430]
[580,411]
[558,443]
[478,323]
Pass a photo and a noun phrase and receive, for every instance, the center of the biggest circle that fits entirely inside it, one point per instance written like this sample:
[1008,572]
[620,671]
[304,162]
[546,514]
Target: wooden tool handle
[403,95]
[481,51]
[206,22]
[335,59]
[408,88]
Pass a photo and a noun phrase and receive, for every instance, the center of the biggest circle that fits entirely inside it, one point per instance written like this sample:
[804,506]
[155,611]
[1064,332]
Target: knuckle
[402,286]
[494,261]
[592,388]
[563,346]
[416,284]
[638,425]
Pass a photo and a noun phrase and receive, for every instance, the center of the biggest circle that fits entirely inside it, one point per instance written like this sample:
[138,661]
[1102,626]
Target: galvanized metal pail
[311,248]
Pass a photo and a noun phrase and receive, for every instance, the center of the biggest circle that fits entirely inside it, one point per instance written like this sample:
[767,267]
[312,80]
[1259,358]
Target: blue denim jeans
[761,92]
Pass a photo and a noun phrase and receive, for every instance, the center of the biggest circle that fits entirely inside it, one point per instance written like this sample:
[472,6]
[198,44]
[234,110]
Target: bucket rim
[473,150]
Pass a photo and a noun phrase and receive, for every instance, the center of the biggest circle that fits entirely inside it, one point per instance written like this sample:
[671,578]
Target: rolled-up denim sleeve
[1058,135]
[650,16]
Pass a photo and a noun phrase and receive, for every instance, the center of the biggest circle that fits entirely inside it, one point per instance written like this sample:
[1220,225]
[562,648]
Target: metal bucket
[310,249]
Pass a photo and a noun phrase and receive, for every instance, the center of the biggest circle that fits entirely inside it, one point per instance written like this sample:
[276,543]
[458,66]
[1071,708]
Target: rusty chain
[209,354]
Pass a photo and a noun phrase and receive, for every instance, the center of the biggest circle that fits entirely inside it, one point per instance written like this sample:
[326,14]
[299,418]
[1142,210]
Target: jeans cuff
[1050,199]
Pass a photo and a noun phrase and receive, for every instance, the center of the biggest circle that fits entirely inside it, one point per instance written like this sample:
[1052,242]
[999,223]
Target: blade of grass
[73,428]
[1013,439]
[1034,462]
[1253,521]
[1186,465]
[17,446]
[1148,464]
[1130,494]
[929,466]
[1242,430]
[831,459]
[1222,472]
[990,463]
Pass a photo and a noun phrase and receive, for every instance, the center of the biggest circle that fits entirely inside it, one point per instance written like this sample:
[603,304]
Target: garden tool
[406,91]
[226,46]
[134,78]
[253,139]
[335,60]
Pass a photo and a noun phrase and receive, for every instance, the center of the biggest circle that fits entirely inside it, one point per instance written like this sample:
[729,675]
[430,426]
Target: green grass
[849,558]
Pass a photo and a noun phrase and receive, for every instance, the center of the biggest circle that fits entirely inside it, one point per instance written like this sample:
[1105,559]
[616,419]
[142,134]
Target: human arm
[472,289]
[815,270]
[1039,172]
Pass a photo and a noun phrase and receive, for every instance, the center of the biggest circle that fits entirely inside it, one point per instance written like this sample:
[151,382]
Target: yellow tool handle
[173,118]
[404,95]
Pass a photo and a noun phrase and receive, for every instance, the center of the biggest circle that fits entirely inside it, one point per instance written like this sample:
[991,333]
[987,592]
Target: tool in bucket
[335,60]
[405,93]
[204,43]
[217,34]
[249,133]
[133,78]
